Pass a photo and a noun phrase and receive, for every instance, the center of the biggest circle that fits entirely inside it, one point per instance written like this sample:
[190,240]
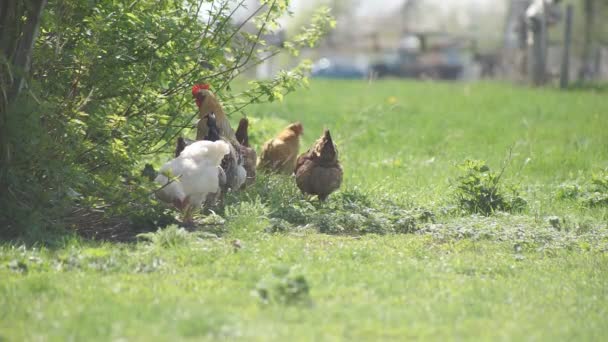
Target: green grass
[458,276]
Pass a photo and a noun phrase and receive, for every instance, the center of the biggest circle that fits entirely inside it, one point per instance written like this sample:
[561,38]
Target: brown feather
[242,136]
[318,171]
[181,145]
[209,104]
[280,153]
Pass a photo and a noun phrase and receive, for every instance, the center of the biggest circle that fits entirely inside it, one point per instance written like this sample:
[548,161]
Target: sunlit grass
[508,276]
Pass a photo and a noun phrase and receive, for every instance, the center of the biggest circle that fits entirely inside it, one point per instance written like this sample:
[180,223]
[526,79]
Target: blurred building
[485,35]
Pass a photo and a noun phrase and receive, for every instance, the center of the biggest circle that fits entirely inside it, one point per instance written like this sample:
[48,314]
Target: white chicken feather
[195,173]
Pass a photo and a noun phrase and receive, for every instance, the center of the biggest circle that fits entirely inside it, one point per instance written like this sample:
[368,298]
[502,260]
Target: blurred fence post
[538,51]
[565,70]
[585,71]
[524,58]
[597,64]
[539,47]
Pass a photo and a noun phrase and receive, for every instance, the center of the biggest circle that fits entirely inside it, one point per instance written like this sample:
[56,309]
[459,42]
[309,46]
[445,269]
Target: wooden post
[585,70]
[538,63]
[597,63]
[544,45]
[565,71]
[538,53]
[523,48]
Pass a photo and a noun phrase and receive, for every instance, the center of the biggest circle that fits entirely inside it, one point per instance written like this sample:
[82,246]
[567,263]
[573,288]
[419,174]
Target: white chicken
[189,178]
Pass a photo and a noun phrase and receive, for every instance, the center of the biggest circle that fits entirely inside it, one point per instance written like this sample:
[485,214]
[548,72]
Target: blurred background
[538,42]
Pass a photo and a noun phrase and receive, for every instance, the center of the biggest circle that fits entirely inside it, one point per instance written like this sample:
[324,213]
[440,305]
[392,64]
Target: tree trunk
[17,37]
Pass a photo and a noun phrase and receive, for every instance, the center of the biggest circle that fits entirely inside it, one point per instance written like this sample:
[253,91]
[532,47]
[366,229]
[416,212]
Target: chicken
[181,145]
[242,135]
[213,125]
[279,154]
[318,171]
[213,132]
[207,104]
[236,175]
[248,153]
[232,164]
[149,172]
[212,198]
[195,173]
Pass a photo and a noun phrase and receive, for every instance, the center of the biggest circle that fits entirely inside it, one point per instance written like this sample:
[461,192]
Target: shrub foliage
[109,88]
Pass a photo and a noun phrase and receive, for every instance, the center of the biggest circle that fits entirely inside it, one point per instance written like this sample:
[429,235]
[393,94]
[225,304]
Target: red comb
[198,87]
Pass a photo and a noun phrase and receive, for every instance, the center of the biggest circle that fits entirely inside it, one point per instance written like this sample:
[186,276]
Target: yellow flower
[391,100]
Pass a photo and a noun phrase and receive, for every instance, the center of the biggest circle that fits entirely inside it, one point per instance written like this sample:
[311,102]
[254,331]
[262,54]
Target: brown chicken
[242,135]
[248,153]
[280,153]
[207,104]
[318,171]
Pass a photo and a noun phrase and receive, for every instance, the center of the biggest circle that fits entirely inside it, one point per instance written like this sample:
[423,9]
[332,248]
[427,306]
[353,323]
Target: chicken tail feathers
[242,136]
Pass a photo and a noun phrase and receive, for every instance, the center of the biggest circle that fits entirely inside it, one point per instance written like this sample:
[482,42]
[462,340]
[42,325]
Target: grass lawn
[536,274]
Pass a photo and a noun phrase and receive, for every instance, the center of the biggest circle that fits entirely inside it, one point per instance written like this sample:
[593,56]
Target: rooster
[214,125]
[248,153]
[213,132]
[207,104]
[196,174]
[279,154]
[318,171]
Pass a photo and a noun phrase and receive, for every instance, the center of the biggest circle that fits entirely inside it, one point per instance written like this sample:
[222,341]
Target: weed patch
[285,285]
[478,190]
[282,208]
[592,193]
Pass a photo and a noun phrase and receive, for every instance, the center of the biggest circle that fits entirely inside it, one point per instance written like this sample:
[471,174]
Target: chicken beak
[200,98]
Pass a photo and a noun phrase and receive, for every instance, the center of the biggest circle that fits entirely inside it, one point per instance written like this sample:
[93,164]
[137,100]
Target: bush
[110,90]
[478,190]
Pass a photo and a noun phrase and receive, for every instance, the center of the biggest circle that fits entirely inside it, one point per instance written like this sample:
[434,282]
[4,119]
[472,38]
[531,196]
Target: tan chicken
[207,104]
[248,153]
[318,171]
[280,153]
